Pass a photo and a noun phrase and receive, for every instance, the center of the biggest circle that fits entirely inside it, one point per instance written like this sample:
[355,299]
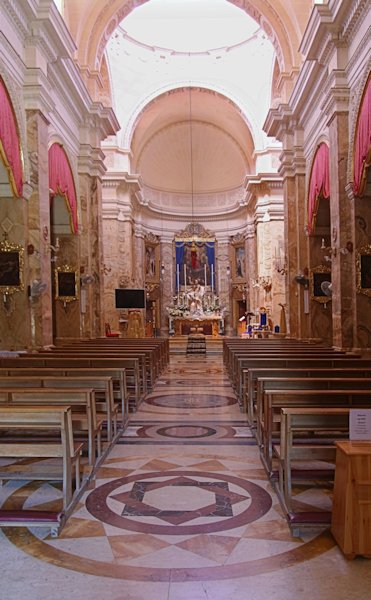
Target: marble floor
[181,509]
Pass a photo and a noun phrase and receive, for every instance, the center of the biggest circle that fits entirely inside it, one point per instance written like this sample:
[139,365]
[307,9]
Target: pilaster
[342,226]
[40,266]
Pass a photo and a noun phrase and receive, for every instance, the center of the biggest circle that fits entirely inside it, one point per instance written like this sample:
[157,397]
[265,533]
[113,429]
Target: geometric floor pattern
[181,508]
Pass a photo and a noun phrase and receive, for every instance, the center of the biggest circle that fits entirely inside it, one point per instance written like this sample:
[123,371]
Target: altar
[208,325]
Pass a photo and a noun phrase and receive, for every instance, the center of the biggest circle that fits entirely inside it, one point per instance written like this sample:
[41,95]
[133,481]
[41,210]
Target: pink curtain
[362,144]
[61,180]
[319,184]
[9,142]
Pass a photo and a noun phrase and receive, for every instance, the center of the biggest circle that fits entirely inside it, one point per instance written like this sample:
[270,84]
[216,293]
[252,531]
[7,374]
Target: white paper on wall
[360,424]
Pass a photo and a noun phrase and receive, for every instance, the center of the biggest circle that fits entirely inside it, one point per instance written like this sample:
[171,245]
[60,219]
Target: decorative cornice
[263,183]
[225,202]
[17,15]
[356,13]
[336,94]
[91,161]
[133,181]
[278,121]
[194,230]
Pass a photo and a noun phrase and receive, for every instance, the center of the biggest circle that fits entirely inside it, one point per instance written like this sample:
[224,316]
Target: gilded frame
[239,262]
[66,284]
[363,267]
[316,277]
[152,262]
[11,268]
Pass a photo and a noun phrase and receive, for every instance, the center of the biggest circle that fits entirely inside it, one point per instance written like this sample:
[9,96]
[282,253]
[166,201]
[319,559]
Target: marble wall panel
[113,274]
[89,237]
[39,228]
[15,316]
[342,227]
[67,314]
[166,294]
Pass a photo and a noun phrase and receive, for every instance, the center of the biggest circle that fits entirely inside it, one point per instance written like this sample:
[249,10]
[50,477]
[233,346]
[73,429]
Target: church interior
[185,296]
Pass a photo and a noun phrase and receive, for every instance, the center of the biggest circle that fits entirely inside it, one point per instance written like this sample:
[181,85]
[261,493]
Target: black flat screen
[130,298]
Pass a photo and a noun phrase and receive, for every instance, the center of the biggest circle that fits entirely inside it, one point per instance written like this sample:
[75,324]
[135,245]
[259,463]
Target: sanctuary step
[178,345]
[196,344]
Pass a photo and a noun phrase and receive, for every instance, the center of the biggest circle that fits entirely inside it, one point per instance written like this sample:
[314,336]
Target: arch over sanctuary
[283,22]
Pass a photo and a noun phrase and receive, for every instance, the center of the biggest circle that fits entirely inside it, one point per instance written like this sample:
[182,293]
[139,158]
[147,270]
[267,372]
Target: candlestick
[212,279]
[177,278]
[205,282]
[185,278]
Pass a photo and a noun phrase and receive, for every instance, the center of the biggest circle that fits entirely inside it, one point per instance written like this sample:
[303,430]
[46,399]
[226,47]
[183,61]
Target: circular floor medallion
[221,502]
[186,431]
[48,551]
[190,400]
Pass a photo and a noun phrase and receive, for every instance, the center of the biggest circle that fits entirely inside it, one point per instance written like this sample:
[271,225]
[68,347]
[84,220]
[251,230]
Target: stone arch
[322,139]
[57,139]
[277,24]
[127,135]
[356,101]
[16,98]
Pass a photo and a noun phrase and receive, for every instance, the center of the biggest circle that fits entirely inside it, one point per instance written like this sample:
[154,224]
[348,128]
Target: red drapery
[362,143]
[9,142]
[319,184]
[61,180]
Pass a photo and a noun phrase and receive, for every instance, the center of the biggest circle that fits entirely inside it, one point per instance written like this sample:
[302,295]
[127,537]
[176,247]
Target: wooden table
[351,515]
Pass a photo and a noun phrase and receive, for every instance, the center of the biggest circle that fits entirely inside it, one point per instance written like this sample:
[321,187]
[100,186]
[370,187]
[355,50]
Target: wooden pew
[145,358]
[144,377]
[275,400]
[288,359]
[306,435]
[31,421]
[155,356]
[131,366]
[296,361]
[265,384]
[161,345]
[118,376]
[82,402]
[102,386]
[251,376]
[231,347]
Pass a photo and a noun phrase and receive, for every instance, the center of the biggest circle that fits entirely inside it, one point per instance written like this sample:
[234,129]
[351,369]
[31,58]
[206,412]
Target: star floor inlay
[170,503]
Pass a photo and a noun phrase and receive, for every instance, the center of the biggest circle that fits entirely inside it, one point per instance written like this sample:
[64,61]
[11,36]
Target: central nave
[181,509]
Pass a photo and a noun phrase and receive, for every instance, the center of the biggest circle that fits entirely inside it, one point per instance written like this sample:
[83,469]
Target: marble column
[297,246]
[251,266]
[342,232]
[166,293]
[139,259]
[39,228]
[90,240]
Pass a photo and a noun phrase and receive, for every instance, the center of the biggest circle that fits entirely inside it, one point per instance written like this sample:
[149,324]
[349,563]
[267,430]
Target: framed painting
[320,280]
[239,263]
[11,268]
[152,262]
[66,284]
[363,266]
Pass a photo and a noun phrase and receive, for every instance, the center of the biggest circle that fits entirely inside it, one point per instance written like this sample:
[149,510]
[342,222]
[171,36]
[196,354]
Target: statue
[195,297]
